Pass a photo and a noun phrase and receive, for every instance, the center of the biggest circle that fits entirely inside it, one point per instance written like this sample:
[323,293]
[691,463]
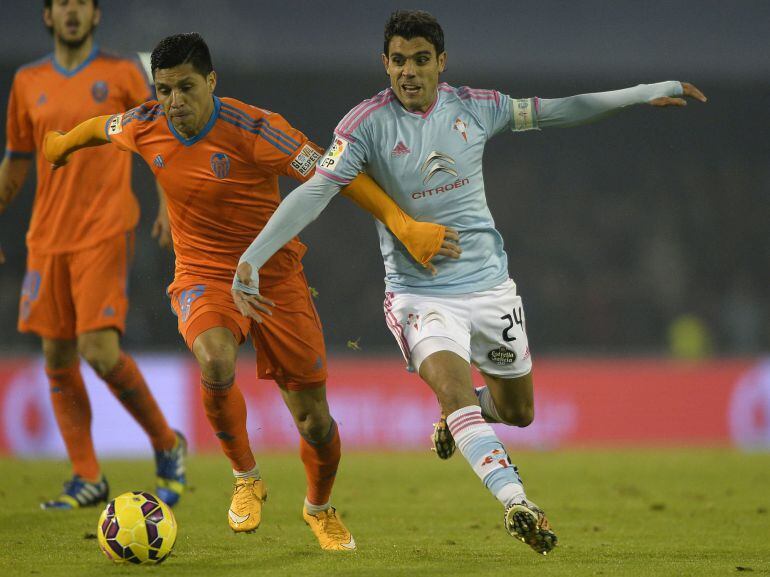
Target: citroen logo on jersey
[460,127]
[220,165]
[435,163]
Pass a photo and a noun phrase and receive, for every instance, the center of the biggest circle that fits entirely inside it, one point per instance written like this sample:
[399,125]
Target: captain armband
[523,114]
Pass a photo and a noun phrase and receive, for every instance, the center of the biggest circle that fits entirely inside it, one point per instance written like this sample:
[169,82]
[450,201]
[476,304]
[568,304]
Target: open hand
[450,247]
[688,90]
[250,305]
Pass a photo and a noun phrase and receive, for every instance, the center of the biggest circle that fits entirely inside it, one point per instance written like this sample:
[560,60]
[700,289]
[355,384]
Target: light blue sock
[480,446]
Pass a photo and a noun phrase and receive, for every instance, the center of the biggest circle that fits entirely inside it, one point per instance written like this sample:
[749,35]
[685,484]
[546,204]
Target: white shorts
[486,328]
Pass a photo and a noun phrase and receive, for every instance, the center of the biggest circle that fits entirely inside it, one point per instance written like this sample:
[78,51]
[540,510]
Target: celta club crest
[460,127]
[99,91]
[220,165]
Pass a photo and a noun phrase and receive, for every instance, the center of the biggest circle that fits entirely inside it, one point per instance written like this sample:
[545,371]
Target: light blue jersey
[430,163]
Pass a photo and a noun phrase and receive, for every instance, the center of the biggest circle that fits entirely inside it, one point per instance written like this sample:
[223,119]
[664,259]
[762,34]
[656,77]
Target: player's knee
[452,394]
[59,354]
[101,357]
[519,415]
[313,423]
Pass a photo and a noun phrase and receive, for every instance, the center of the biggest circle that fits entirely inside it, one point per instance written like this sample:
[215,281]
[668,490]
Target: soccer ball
[136,527]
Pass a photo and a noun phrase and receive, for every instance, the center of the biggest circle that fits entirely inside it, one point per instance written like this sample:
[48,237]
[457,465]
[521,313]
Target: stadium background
[640,244]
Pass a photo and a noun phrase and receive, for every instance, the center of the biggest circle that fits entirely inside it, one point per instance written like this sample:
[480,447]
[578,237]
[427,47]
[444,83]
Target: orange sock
[226,411]
[73,414]
[129,387]
[321,461]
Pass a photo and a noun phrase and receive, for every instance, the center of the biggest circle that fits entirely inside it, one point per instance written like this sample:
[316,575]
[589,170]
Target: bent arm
[422,239]
[587,108]
[57,147]
[301,207]
[13,173]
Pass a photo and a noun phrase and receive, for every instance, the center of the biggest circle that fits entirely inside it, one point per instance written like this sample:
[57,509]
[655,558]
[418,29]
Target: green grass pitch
[632,512]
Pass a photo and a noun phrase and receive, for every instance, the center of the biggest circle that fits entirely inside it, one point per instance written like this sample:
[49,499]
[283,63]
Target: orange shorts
[66,295]
[290,345]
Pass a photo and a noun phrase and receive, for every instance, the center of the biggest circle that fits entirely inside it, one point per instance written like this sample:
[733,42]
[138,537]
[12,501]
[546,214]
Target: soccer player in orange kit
[218,160]
[80,243]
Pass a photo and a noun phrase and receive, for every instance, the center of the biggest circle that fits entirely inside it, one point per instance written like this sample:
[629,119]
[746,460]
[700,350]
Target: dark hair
[412,24]
[49,3]
[182,49]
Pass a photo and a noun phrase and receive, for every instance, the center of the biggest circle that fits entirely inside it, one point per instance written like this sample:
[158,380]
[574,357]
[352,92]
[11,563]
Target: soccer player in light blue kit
[423,142]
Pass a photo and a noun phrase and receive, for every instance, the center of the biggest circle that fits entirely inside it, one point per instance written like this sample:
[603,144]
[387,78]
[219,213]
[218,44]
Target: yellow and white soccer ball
[136,527]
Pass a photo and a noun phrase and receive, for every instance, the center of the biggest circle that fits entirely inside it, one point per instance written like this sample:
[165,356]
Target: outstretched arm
[58,146]
[587,108]
[300,207]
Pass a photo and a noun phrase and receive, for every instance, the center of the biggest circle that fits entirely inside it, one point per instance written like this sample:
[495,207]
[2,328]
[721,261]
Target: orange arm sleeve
[57,146]
[422,239]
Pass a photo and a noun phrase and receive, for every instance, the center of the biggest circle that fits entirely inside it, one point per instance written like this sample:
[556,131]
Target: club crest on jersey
[99,91]
[220,165]
[333,156]
[460,127]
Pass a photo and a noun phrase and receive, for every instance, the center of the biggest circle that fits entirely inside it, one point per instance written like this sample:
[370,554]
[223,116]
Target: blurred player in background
[80,245]
[423,141]
[219,160]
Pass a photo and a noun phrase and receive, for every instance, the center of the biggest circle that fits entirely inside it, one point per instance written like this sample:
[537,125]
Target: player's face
[72,21]
[414,68]
[186,96]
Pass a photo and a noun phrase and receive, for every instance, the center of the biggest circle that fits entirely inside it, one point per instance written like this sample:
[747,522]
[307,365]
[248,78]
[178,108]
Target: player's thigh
[46,307]
[499,343]
[100,284]
[449,376]
[201,305]
[423,325]
[290,344]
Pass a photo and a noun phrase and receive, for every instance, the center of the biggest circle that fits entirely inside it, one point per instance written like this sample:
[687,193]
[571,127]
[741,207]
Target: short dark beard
[74,44]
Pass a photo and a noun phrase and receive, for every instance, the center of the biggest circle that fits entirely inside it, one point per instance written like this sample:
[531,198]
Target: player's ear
[47,20]
[385,62]
[211,81]
[97,16]
[442,62]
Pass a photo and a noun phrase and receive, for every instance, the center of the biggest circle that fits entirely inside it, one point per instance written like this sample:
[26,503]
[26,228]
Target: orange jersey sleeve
[281,147]
[20,138]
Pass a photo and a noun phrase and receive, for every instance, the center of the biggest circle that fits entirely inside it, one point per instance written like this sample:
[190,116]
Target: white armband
[523,114]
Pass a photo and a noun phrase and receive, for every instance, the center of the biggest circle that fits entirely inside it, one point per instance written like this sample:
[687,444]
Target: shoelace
[331,524]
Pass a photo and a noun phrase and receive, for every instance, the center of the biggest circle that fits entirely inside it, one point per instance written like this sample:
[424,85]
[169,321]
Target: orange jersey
[92,199]
[221,185]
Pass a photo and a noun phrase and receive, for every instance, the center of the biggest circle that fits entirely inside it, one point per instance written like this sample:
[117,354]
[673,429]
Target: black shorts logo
[502,356]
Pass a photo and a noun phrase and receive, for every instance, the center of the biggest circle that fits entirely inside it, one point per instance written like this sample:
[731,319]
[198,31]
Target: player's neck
[69,57]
